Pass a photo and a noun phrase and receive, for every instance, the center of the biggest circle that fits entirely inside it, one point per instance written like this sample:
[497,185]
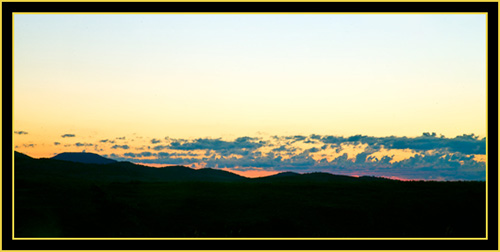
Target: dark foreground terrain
[56,198]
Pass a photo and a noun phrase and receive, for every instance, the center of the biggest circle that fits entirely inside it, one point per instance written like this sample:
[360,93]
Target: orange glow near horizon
[255,173]
[252,173]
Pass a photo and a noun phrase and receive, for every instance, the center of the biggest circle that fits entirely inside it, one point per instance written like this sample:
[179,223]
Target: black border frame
[492,160]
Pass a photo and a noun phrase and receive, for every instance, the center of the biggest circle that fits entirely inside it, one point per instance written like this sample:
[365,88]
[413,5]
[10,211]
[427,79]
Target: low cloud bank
[432,157]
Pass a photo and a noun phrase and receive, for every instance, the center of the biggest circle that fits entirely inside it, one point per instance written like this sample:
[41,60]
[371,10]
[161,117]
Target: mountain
[58,198]
[284,174]
[314,177]
[19,155]
[90,167]
[83,157]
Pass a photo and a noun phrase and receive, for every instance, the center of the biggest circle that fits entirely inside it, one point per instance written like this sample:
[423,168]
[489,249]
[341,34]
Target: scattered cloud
[125,147]
[424,157]
[83,144]
[139,155]
[107,141]
[217,144]
[21,132]
[68,135]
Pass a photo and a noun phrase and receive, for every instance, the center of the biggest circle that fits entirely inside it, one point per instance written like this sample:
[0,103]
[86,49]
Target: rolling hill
[82,157]
[58,198]
[92,167]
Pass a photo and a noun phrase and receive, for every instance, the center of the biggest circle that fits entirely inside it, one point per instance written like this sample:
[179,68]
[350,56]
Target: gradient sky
[226,76]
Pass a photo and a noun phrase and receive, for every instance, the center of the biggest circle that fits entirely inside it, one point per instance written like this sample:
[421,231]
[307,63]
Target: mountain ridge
[83,157]
[92,166]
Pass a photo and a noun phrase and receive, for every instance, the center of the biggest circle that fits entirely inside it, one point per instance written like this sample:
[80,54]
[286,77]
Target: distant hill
[94,168]
[57,198]
[83,157]
[284,174]
[19,155]
[315,177]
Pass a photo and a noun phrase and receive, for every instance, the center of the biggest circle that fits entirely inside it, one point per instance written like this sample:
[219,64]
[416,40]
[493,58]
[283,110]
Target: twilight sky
[236,91]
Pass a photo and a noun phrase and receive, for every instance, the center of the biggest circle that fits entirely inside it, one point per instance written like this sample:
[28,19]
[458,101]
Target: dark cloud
[332,139]
[120,138]
[313,149]
[449,166]
[29,145]
[310,141]
[361,157]
[68,135]
[217,144]
[107,141]
[21,132]
[83,144]
[299,138]
[155,141]
[130,154]
[451,158]
[57,143]
[314,136]
[281,148]
[125,147]
[139,155]
[146,154]
[466,144]
[160,147]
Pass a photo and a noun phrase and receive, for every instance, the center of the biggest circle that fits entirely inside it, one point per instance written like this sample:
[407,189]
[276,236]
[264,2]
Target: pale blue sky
[232,75]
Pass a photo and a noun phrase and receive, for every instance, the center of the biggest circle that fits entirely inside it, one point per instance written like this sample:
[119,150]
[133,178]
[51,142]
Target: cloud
[466,144]
[57,143]
[139,155]
[450,166]
[125,147]
[217,144]
[29,145]
[314,136]
[433,156]
[160,147]
[68,135]
[281,148]
[21,132]
[107,141]
[120,138]
[83,144]
[313,149]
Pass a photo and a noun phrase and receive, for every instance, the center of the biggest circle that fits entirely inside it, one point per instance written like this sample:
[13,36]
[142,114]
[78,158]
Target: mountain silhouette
[59,198]
[83,157]
[19,155]
[92,167]
[314,177]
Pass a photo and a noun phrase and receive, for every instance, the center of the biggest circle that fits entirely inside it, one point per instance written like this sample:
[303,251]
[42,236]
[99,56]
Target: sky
[254,93]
